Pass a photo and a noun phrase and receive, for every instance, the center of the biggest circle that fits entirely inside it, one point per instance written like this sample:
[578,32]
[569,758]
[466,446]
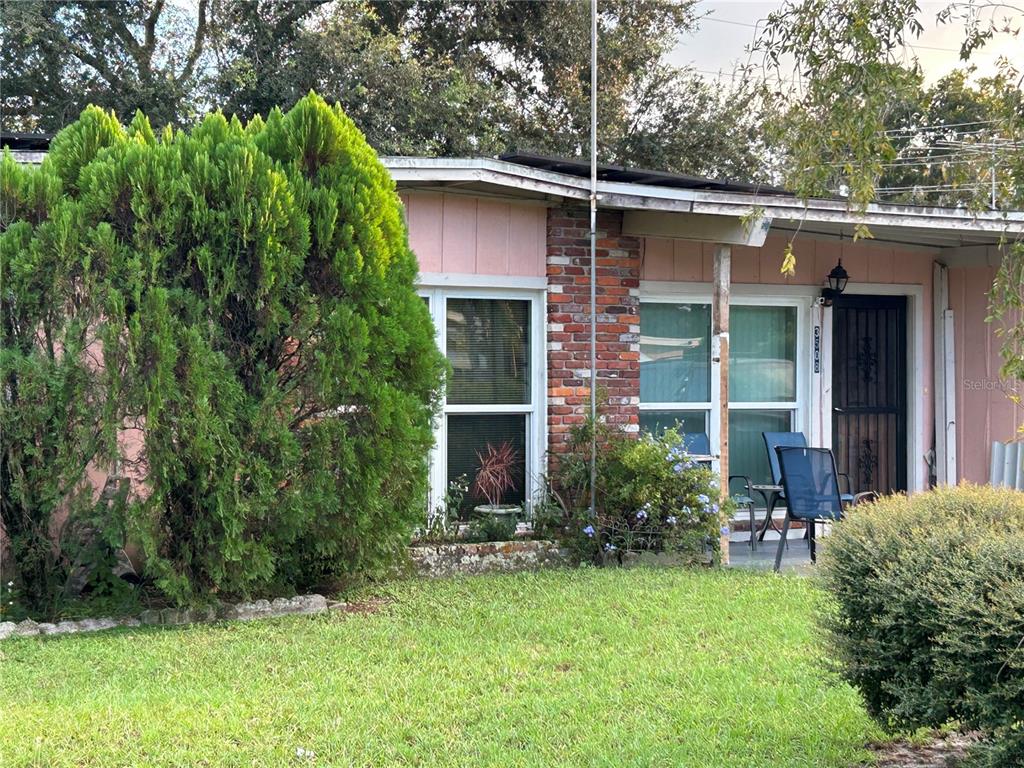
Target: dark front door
[869,391]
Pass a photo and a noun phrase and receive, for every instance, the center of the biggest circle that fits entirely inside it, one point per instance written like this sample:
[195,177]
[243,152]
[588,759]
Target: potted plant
[494,480]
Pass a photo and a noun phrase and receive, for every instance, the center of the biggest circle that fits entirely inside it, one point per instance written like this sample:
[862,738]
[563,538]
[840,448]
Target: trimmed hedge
[929,612]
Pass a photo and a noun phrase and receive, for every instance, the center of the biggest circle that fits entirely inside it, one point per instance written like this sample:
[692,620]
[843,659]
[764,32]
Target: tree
[403,103]
[58,57]
[417,76]
[536,57]
[259,322]
[846,58]
[947,141]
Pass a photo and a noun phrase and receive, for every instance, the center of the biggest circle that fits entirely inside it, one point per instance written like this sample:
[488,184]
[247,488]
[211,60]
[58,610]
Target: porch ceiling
[928,238]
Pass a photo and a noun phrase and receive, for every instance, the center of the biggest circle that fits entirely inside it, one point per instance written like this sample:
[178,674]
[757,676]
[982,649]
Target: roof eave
[628,195]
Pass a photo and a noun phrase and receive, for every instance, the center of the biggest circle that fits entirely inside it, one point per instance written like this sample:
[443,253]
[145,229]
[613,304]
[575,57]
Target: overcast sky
[729,28]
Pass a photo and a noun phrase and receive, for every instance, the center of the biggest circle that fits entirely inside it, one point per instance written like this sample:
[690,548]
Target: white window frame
[535,411]
[801,297]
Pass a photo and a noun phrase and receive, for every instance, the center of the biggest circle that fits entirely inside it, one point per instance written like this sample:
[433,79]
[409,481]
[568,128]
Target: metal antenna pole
[993,176]
[593,257]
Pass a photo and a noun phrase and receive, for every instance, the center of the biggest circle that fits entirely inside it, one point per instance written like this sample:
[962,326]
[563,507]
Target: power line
[940,127]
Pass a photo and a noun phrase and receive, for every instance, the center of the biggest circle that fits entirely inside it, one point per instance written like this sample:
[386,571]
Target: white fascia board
[626,195]
[925,218]
[27,157]
[485,170]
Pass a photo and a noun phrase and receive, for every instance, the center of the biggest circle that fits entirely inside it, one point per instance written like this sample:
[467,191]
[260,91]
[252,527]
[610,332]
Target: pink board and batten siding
[689,261]
[984,410]
[461,234]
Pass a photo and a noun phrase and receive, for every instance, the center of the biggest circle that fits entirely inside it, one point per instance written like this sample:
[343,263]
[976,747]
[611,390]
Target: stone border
[429,560]
[168,617]
[434,560]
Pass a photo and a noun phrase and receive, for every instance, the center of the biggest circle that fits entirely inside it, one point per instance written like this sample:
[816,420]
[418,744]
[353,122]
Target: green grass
[564,668]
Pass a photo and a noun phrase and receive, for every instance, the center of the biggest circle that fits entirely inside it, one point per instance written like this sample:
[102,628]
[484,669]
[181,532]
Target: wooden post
[720,355]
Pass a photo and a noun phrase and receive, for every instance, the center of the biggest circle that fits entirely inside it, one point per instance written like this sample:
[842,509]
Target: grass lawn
[564,668]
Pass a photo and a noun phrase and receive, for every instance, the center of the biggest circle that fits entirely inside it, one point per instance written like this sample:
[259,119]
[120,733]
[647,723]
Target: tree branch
[197,45]
[120,29]
[150,40]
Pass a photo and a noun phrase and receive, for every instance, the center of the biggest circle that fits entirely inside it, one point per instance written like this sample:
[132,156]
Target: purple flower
[678,468]
[671,520]
[725,530]
[641,516]
[609,547]
[703,499]
[589,531]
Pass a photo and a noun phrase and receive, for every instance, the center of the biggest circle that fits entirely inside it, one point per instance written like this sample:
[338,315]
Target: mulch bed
[946,751]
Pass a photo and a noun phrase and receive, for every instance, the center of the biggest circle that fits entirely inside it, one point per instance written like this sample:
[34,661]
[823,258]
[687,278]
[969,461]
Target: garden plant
[240,298]
[652,497]
[928,618]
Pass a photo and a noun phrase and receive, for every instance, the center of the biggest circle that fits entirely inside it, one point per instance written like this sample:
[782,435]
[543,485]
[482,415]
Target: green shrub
[929,618]
[650,498]
[54,407]
[258,319]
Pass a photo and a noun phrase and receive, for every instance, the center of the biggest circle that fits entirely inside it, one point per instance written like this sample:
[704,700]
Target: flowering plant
[652,496]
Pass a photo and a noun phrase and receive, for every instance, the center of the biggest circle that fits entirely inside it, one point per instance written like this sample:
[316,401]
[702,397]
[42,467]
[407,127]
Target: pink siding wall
[984,412]
[461,234]
[688,261]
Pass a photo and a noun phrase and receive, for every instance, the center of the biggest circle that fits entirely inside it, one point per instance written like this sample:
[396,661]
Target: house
[900,375]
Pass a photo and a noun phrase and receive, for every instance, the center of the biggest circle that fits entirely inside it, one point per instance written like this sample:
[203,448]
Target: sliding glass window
[675,374]
[675,366]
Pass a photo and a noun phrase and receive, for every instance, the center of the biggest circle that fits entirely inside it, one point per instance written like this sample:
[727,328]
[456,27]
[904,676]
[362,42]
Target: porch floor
[796,558]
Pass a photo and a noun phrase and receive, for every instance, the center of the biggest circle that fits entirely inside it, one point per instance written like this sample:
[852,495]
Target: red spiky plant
[494,475]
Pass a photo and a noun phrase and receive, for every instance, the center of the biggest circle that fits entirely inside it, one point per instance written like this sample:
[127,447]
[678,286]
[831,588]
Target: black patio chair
[699,444]
[811,484]
[773,440]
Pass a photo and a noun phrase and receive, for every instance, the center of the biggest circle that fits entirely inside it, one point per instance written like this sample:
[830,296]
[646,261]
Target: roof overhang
[901,225]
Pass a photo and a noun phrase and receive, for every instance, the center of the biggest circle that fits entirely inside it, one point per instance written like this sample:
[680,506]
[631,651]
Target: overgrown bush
[252,302]
[651,497]
[929,622]
[54,410]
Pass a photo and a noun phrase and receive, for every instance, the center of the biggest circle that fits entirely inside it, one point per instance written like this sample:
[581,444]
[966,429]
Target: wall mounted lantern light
[837,280]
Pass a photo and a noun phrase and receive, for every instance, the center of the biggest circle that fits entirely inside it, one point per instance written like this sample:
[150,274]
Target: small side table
[771,494]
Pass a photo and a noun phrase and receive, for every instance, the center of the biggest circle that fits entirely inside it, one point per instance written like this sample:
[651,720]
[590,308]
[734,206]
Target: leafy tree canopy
[859,112]
[417,76]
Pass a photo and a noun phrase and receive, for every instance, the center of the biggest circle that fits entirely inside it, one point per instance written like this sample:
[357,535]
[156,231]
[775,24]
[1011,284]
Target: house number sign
[817,349]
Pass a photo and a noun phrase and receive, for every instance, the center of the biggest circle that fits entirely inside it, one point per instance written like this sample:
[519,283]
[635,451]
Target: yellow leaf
[788,261]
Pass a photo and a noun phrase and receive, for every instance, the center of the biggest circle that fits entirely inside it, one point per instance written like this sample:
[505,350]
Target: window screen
[469,434]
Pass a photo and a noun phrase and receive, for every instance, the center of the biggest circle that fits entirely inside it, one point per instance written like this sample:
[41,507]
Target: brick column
[618,322]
